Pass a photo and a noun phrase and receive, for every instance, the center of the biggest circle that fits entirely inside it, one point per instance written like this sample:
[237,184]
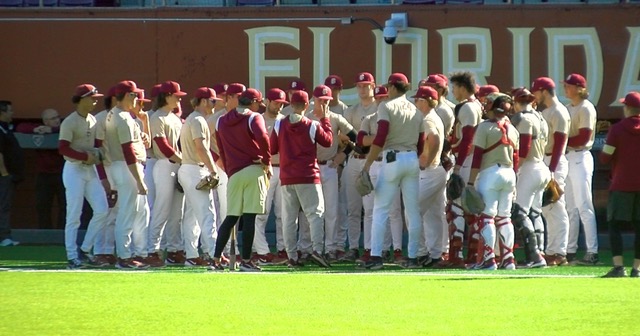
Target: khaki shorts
[247,191]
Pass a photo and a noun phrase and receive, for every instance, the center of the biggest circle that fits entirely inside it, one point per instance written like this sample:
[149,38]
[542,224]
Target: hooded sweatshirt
[621,149]
[242,140]
[296,142]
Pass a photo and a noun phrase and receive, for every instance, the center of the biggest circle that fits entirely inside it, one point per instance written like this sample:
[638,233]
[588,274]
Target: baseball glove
[472,200]
[208,182]
[552,193]
[455,185]
[363,183]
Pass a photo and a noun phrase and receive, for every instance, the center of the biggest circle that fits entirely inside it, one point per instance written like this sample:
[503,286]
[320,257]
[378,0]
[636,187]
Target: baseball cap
[334,82]
[221,88]
[522,95]
[322,92]
[365,78]
[126,87]
[111,92]
[542,83]
[380,91]
[155,90]
[87,90]
[632,99]
[435,80]
[485,90]
[235,88]
[426,92]
[171,87]
[576,79]
[251,94]
[277,95]
[300,97]
[141,97]
[398,78]
[297,85]
[444,78]
[206,93]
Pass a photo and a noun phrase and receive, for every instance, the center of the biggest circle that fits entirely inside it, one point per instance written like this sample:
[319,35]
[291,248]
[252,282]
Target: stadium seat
[46,3]
[76,3]
[374,2]
[191,3]
[422,2]
[464,2]
[254,3]
[11,3]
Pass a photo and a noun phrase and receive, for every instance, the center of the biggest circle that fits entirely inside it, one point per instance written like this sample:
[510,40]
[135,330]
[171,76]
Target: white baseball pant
[580,201]
[465,171]
[81,181]
[355,202]
[105,242]
[132,220]
[309,197]
[343,223]
[200,216]
[148,180]
[556,214]
[394,225]
[532,179]
[400,175]
[433,181]
[167,214]
[260,244]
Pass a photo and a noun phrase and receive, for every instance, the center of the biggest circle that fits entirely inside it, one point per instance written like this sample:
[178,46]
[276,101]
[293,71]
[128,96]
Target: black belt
[275,165]
[379,159]
[322,163]
[360,156]
[401,151]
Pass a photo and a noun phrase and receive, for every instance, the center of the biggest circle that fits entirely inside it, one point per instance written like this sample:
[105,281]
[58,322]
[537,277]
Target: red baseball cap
[300,97]
[251,94]
[576,79]
[446,80]
[111,92]
[87,90]
[485,90]
[277,95]
[380,91]
[398,78]
[126,87]
[632,99]
[334,82]
[141,97]
[322,92]
[522,95]
[235,88]
[155,90]
[297,85]
[221,88]
[542,83]
[206,93]
[365,78]
[170,87]
[425,92]
[436,80]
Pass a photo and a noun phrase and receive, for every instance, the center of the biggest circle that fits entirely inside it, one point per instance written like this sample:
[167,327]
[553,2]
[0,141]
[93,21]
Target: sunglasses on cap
[90,93]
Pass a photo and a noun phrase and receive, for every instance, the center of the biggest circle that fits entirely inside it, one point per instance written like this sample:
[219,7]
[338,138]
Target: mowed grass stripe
[164,303]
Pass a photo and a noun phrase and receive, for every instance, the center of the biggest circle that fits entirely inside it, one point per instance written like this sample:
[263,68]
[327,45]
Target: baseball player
[495,160]
[365,84]
[197,163]
[151,158]
[221,92]
[579,195]
[244,150]
[621,149]
[126,146]
[533,176]
[295,85]
[276,98]
[558,120]
[165,131]
[443,110]
[484,91]
[400,140]
[295,138]
[335,83]
[366,135]
[329,159]
[82,175]
[445,100]
[468,115]
[433,178]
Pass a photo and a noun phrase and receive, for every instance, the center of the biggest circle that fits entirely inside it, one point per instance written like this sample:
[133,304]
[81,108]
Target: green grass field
[38,298]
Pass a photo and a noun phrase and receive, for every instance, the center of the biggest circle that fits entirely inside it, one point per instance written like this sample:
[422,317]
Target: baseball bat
[232,250]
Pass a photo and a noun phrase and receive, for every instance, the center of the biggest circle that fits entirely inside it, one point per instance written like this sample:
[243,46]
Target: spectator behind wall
[49,165]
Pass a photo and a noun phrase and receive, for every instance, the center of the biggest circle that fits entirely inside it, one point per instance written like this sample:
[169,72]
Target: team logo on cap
[377,90]
[281,95]
[568,77]
[361,76]
[226,86]
[294,84]
[325,91]
[333,80]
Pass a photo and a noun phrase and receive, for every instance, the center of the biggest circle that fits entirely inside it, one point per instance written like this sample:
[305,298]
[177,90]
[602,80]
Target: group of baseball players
[178,189]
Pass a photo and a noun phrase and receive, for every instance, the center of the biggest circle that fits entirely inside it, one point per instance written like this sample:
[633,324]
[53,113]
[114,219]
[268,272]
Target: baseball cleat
[411,263]
[248,266]
[74,264]
[635,273]
[487,265]
[374,264]
[616,272]
[130,263]
[589,259]
[320,259]
[294,263]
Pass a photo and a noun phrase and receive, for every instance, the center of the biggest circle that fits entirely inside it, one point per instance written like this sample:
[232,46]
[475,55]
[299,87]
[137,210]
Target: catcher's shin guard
[538,224]
[456,235]
[473,239]
[487,230]
[522,223]
[505,236]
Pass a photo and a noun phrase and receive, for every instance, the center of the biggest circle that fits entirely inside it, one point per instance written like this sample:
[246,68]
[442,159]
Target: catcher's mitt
[208,182]
[455,185]
[472,200]
[363,183]
[552,193]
